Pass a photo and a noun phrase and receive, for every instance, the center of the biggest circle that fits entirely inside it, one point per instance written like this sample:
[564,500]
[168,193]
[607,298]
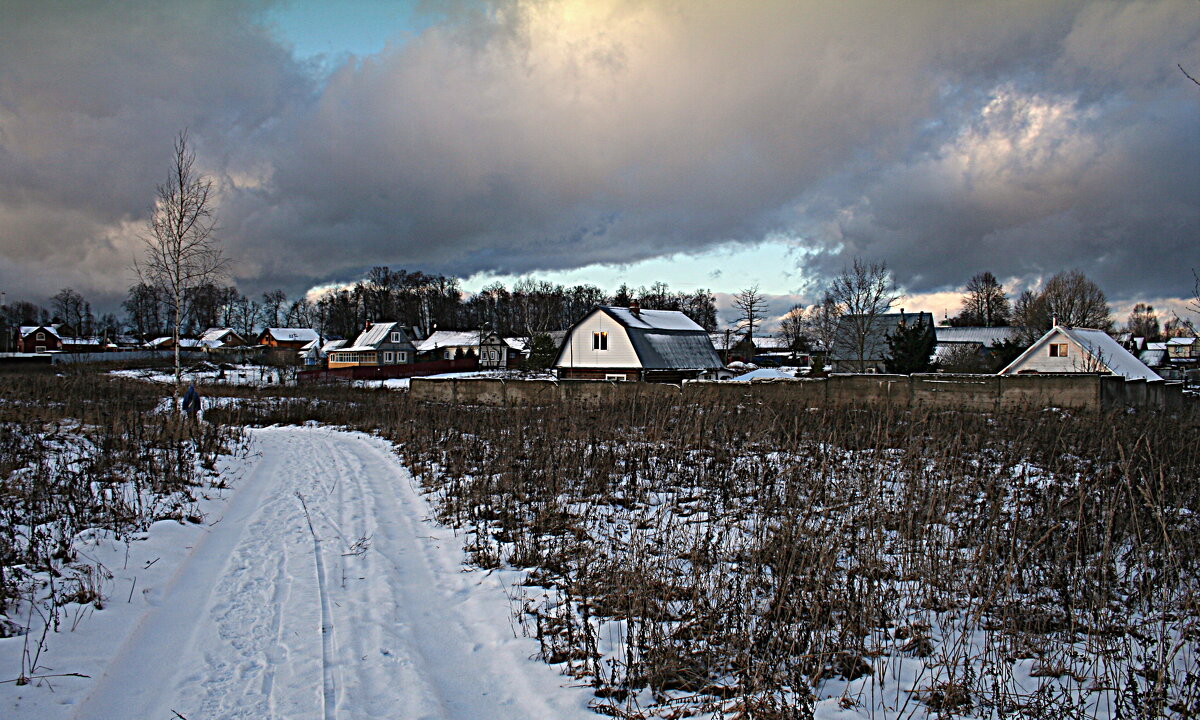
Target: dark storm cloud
[942,137]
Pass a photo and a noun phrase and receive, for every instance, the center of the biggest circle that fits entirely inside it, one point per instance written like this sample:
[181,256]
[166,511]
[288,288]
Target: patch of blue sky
[773,264]
[327,32]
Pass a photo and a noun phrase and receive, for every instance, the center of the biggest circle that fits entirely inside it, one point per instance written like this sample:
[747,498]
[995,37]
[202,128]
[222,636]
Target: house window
[387,357]
[492,355]
[402,356]
[615,376]
[40,348]
[41,336]
[599,341]
[446,355]
[1058,349]
[396,337]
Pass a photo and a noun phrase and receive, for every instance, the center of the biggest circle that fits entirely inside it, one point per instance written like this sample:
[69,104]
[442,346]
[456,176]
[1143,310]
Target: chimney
[635,308]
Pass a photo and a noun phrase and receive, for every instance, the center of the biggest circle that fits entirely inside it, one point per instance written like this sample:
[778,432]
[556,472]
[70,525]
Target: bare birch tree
[180,250]
[863,292]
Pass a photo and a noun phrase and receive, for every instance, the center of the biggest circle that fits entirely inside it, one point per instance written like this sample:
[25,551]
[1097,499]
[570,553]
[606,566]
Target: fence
[983,392]
[389,372]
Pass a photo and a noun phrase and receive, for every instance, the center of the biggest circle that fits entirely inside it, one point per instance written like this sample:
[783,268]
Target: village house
[449,344]
[380,344]
[618,343]
[874,341]
[38,339]
[500,353]
[1066,349]
[218,338]
[289,338]
[957,344]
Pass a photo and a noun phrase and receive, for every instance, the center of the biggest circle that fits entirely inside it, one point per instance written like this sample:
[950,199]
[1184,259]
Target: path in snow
[279,613]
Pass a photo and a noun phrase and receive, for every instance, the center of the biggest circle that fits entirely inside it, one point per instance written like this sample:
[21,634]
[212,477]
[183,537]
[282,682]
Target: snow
[764,374]
[316,588]
[654,319]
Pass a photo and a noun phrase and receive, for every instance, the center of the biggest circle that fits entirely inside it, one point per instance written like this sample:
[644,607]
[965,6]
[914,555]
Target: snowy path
[279,613]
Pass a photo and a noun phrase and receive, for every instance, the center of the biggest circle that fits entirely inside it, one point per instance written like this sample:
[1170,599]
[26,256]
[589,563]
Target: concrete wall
[1064,391]
[978,392]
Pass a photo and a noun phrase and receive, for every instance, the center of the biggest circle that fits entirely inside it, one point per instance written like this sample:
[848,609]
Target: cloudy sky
[707,144]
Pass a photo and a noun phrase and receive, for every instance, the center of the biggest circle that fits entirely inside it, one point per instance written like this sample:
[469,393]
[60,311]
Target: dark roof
[665,339]
[845,345]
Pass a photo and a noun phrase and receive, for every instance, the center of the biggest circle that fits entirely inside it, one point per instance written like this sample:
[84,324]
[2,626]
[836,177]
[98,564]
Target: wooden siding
[578,352]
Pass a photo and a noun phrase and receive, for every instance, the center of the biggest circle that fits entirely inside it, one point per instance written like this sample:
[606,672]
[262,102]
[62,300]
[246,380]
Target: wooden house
[619,343]
[380,344]
[1066,349]
[219,338]
[449,344]
[289,338]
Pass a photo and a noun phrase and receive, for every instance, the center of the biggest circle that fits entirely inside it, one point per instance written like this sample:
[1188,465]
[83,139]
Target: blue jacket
[191,399]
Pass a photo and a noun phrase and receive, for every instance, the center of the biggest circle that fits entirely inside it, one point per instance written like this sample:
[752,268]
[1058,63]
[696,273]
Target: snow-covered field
[317,587]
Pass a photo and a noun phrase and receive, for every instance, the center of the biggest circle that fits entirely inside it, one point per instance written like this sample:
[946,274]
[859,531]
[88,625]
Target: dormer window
[1058,349]
[599,341]
[396,337]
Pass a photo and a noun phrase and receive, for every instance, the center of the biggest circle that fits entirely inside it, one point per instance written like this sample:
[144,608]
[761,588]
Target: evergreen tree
[909,349]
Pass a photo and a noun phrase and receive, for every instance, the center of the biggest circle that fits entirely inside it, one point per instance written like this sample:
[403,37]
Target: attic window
[41,336]
[1058,349]
[396,337]
[599,341]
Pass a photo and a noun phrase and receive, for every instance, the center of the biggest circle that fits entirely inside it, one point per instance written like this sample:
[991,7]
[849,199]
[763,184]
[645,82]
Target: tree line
[428,301]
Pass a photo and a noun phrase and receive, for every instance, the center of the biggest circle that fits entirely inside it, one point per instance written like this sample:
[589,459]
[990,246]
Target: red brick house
[38,339]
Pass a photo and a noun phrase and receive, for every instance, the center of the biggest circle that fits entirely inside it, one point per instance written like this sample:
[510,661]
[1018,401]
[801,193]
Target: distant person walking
[191,401]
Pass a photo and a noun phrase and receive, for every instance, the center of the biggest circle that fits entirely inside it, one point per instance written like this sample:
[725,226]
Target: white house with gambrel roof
[618,343]
[1066,349]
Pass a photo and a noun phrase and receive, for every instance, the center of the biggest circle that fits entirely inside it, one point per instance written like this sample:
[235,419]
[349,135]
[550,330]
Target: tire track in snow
[329,689]
[234,637]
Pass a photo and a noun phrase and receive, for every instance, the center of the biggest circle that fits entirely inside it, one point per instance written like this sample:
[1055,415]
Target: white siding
[1040,360]
[578,350]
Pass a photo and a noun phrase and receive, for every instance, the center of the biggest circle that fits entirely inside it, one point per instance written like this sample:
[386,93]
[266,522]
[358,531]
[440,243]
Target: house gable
[598,341]
[1079,350]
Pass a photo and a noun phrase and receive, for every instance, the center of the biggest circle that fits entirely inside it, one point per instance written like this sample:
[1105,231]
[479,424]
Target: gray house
[380,344]
[861,341]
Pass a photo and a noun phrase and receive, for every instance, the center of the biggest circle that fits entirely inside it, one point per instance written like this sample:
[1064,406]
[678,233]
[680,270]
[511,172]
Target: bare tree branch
[180,251]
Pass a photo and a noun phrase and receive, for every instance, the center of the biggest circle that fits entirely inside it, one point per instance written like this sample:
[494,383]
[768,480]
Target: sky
[706,144]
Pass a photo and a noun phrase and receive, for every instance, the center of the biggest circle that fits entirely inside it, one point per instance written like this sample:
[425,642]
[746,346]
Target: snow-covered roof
[449,338]
[26,329]
[216,336]
[1153,357]
[653,319]
[332,345]
[666,339]
[519,344]
[986,336]
[1181,341]
[183,342]
[764,374]
[293,334]
[1100,347]
[374,336]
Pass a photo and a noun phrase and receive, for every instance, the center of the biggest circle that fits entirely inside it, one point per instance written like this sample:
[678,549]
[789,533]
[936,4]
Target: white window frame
[616,377]
[387,356]
[40,349]
[1059,350]
[447,355]
[396,337]
[41,336]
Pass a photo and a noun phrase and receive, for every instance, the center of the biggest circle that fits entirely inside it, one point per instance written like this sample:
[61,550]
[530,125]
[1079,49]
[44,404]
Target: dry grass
[750,560]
